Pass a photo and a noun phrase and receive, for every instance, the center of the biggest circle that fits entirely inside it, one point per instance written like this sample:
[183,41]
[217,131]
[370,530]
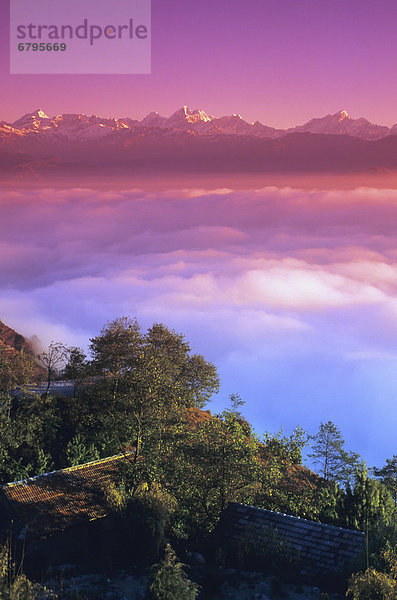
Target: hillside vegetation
[146,391]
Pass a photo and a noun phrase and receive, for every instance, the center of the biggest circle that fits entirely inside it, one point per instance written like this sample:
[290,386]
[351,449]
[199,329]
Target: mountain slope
[14,340]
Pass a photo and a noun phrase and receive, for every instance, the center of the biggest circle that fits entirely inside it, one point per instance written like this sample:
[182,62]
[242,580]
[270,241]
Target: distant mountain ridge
[191,141]
[88,127]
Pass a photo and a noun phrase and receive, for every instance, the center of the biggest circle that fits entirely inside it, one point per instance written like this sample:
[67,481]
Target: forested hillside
[146,392]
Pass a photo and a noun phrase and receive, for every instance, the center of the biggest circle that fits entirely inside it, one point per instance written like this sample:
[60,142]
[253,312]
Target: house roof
[66,389]
[49,503]
[322,549]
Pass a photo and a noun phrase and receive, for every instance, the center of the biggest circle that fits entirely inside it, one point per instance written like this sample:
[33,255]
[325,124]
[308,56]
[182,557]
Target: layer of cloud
[281,278]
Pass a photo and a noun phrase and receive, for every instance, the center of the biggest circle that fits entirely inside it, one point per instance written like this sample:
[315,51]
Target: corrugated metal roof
[322,549]
[52,502]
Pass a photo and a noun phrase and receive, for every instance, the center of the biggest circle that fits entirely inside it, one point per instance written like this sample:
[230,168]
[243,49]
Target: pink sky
[279,61]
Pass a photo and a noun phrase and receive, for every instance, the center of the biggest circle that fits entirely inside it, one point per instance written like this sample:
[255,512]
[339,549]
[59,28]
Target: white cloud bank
[292,294]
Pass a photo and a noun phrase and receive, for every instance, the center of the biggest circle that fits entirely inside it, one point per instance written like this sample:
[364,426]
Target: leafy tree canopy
[388,475]
[16,368]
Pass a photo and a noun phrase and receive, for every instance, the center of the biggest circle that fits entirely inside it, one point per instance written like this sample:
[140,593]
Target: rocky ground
[228,584]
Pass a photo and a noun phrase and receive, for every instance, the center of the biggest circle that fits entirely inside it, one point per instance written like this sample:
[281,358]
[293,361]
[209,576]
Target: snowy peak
[341,123]
[184,117]
[31,120]
[40,114]
[37,114]
[342,115]
[193,115]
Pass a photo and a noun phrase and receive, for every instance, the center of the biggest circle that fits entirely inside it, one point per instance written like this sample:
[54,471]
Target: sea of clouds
[292,294]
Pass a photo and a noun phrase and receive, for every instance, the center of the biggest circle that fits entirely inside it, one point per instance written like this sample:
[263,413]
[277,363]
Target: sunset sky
[281,62]
[291,293]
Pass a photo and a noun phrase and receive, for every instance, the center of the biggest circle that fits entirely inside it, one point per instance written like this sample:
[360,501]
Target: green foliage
[158,361]
[283,483]
[383,533]
[143,384]
[117,347]
[157,506]
[143,505]
[372,585]
[145,396]
[389,559]
[45,463]
[14,585]
[148,379]
[149,503]
[77,366]
[79,451]
[215,463]
[289,448]
[16,368]
[28,430]
[331,502]
[388,475]
[169,580]
[367,503]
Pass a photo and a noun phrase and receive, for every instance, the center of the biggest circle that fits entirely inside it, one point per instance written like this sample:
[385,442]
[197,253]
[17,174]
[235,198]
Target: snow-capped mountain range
[81,127]
[191,141]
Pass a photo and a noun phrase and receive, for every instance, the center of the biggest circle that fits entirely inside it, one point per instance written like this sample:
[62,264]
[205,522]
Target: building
[60,516]
[318,551]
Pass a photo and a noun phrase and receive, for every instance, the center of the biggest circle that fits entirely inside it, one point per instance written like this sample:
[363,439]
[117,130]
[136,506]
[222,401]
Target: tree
[335,464]
[147,379]
[77,365]
[117,348]
[285,484]
[53,359]
[388,475]
[76,368]
[28,432]
[368,502]
[169,581]
[214,462]
[368,507]
[289,448]
[16,368]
